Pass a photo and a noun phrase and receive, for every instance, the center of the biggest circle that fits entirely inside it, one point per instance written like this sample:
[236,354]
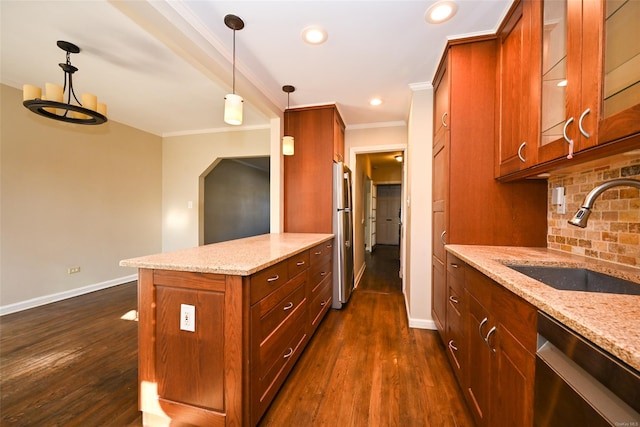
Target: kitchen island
[221,325]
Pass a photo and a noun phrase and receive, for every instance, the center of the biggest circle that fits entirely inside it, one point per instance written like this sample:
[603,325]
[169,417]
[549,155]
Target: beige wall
[72,195]
[186,161]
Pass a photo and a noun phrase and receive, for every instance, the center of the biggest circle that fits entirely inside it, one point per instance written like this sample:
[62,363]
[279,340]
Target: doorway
[236,199]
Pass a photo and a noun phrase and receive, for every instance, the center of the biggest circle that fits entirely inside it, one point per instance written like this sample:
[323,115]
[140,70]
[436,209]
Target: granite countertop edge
[608,320]
[240,257]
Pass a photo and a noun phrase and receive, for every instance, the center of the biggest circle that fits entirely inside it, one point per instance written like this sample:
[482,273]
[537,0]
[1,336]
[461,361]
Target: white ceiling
[165,66]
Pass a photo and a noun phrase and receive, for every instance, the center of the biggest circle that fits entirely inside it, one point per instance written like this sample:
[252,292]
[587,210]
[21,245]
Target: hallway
[366,367]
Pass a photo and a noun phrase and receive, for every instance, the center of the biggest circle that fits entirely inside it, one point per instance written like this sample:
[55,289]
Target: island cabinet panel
[194,375]
[249,332]
[184,376]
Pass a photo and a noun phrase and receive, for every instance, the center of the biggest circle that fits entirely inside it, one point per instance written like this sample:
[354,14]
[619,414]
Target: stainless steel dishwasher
[579,384]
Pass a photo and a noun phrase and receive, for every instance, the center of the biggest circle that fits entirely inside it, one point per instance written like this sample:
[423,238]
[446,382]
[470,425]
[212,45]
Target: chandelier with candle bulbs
[52,105]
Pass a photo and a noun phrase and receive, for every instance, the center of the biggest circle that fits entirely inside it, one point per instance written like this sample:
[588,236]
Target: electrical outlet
[187,317]
[73,270]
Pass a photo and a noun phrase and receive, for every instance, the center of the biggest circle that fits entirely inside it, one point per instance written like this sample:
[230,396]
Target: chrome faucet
[581,217]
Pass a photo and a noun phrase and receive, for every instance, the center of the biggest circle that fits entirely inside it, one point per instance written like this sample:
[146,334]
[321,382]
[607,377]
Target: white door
[388,213]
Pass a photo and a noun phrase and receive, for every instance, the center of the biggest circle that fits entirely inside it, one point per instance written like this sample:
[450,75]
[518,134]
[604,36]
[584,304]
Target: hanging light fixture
[233,102]
[52,105]
[287,139]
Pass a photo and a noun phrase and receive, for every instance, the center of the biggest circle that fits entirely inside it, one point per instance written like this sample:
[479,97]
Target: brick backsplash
[613,230]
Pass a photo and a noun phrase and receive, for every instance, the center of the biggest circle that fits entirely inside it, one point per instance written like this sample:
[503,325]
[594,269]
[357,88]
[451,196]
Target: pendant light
[52,105]
[233,102]
[287,139]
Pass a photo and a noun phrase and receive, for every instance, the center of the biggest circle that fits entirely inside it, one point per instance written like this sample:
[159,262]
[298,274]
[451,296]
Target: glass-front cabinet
[590,73]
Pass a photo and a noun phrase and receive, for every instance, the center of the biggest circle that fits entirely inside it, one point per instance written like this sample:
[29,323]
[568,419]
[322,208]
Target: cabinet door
[517,141]
[620,113]
[479,362]
[514,369]
[439,219]
[441,100]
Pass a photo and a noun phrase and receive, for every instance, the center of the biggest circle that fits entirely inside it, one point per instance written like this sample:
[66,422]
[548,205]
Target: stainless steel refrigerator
[343,275]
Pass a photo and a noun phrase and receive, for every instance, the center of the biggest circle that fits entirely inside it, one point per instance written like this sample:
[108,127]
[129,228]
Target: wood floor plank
[74,363]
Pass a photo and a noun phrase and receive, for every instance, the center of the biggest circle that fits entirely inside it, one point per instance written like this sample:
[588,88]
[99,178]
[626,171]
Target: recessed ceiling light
[375,101]
[441,11]
[314,35]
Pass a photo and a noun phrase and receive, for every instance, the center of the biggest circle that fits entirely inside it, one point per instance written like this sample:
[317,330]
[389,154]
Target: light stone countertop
[610,321]
[241,257]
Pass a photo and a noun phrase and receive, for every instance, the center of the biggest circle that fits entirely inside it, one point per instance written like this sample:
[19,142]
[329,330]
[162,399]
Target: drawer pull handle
[329,246]
[289,353]
[323,303]
[288,306]
[454,265]
[485,320]
[452,346]
[318,253]
[323,273]
[299,263]
[453,299]
[488,337]
[273,279]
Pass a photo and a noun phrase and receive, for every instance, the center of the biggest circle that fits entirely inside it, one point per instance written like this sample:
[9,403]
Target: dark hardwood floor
[74,363]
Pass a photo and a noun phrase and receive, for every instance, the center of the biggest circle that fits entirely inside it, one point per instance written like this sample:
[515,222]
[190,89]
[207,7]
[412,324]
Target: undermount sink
[578,279]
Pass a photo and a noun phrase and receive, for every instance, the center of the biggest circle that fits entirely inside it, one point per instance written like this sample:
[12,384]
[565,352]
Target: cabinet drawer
[321,253]
[270,320]
[455,267]
[317,273]
[284,350]
[320,302]
[280,349]
[298,263]
[267,280]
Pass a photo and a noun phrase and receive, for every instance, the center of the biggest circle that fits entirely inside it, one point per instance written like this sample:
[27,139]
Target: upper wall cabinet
[515,127]
[585,97]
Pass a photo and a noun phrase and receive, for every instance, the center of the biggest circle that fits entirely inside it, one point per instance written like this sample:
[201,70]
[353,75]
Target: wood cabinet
[308,174]
[455,332]
[515,127]
[469,205]
[501,345]
[583,89]
[249,332]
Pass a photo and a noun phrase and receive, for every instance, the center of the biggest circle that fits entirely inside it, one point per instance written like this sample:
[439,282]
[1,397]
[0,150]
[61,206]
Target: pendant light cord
[233,78]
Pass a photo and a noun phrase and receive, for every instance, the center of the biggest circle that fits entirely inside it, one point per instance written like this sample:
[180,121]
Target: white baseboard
[418,323]
[47,299]
[422,324]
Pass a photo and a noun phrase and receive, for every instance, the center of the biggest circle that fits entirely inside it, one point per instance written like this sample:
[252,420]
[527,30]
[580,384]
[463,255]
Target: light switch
[187,317]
